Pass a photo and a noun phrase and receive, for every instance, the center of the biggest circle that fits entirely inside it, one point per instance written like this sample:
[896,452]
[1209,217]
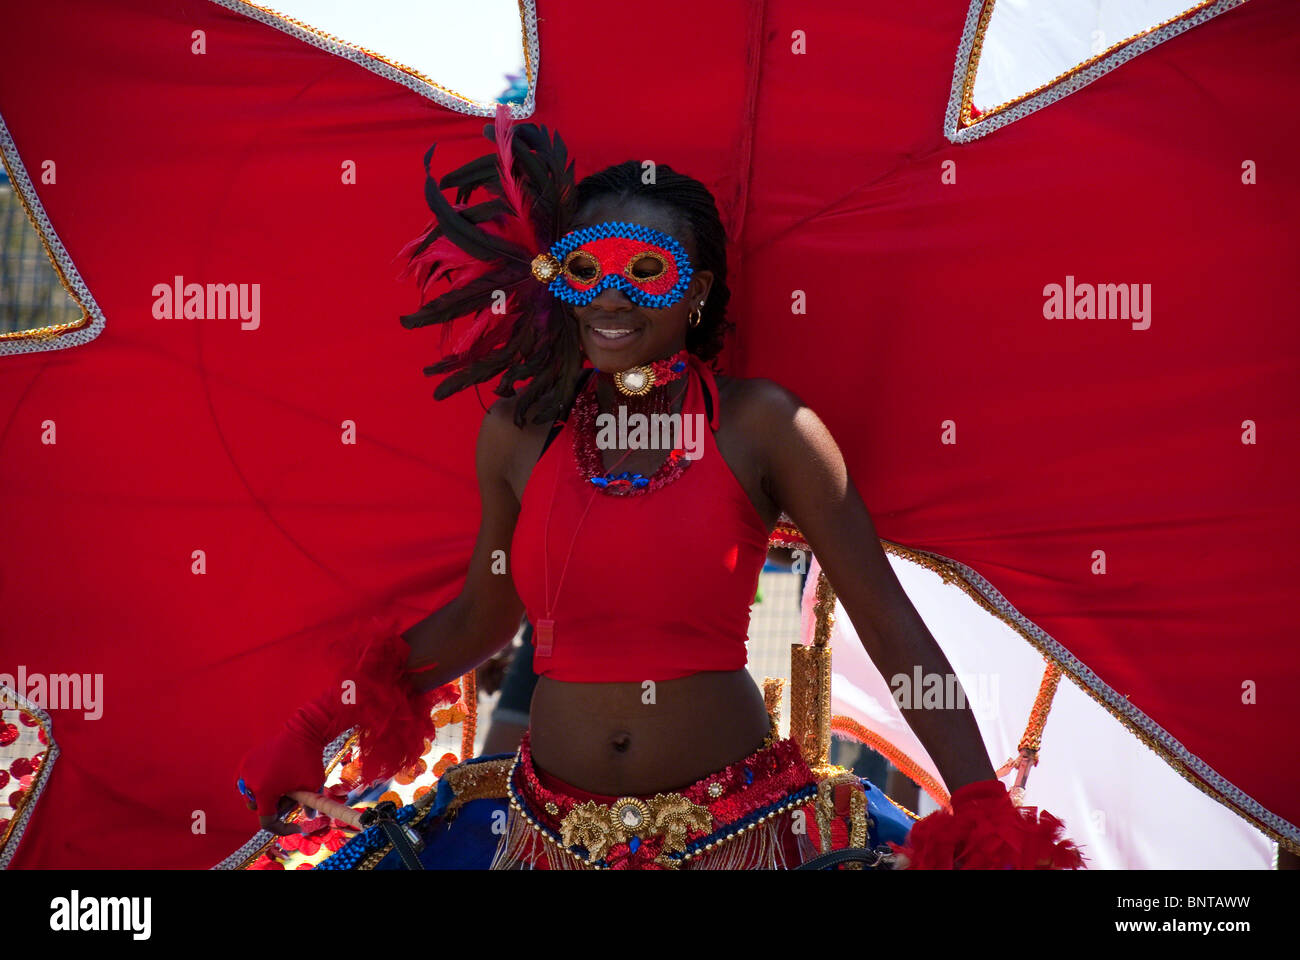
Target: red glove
[375,694]
[986,831]
[293,759]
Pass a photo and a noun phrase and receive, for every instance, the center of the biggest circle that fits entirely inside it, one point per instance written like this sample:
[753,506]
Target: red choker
[640,380]
[647,401]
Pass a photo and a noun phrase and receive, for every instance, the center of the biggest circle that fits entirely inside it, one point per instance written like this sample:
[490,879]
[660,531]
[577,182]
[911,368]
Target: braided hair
[694,212]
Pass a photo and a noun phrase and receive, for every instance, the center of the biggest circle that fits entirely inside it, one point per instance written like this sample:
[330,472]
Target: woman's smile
[613,336]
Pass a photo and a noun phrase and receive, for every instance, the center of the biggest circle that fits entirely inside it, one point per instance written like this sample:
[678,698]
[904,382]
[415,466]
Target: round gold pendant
[635,382]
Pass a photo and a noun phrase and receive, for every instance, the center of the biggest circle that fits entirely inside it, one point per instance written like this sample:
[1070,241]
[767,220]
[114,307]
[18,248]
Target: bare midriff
[638,738]
[625,739]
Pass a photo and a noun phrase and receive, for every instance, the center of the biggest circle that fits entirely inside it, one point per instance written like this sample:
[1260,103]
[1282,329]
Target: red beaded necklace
[635,384]
[591,466]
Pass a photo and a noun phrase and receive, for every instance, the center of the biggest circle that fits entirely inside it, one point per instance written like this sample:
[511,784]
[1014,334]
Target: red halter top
[654,586]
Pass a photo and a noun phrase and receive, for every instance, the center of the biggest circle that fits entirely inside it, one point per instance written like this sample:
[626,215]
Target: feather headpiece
[484,252]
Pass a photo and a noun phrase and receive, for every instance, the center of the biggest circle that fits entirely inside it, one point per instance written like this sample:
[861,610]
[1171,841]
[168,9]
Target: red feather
[482,319]
[984,830]
[406,251]
[395,718]
[510,187]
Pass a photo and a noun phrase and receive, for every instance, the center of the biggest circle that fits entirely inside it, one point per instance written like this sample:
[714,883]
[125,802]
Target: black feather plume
[482,252]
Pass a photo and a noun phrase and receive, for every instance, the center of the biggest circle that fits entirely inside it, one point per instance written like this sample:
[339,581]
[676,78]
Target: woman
[649,744]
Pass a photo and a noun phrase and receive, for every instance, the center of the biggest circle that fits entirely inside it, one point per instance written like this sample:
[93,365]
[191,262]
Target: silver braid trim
[1234,797]
[38,785]
[27,191]
[459,103]
[1056,91]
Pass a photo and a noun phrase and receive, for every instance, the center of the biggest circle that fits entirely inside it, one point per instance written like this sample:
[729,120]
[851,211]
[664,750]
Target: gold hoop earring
[697,315]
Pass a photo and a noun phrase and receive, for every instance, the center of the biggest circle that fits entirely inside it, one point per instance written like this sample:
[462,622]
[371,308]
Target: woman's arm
[454,639]
[805,474]
[484,617]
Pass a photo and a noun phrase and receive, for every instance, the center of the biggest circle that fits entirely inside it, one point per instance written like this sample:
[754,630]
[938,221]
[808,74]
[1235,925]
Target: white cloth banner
[1123,805]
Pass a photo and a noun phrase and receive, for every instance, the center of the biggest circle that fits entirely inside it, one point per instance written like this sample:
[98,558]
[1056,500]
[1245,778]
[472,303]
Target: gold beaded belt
[668,829]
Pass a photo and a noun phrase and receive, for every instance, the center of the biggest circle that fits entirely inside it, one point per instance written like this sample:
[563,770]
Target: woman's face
[616,333]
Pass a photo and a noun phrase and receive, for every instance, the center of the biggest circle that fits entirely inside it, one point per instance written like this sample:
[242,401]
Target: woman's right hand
[291,760]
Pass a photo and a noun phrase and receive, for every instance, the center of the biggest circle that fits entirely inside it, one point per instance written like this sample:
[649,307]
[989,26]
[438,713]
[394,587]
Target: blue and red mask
[650,267]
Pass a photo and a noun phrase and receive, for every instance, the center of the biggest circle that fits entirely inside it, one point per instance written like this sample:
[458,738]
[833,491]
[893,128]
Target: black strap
[558,423]
[877,859]
[405,841]
[402,844]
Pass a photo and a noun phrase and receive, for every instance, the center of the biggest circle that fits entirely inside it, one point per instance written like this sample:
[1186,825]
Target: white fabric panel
[467,47]
[1030,42]
[1119,800]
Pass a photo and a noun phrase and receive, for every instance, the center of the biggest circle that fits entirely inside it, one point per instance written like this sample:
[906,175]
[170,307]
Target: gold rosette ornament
[598,827]
[545,267]
[590,826]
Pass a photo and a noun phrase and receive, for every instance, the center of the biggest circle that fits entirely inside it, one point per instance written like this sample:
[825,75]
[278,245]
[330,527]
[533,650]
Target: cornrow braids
[694,210]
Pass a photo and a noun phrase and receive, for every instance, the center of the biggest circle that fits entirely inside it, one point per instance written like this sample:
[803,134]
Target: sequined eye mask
[650,267]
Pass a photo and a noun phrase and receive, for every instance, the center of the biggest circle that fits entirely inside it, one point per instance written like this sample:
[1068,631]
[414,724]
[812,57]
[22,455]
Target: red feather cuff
[394,717]
[985,831]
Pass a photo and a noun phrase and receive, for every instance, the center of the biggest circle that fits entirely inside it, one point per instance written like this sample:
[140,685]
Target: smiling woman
[649,746]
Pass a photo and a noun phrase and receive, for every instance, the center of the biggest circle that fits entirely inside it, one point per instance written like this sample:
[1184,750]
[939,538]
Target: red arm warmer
[377,695]
[986,831]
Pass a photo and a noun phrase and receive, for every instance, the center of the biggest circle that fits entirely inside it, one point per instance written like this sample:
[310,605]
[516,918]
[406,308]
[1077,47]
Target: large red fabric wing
[181,435]
[925,304]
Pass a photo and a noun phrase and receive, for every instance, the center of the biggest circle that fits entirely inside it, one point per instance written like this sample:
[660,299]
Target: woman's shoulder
[507,449]
[755,397]
[502,412]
